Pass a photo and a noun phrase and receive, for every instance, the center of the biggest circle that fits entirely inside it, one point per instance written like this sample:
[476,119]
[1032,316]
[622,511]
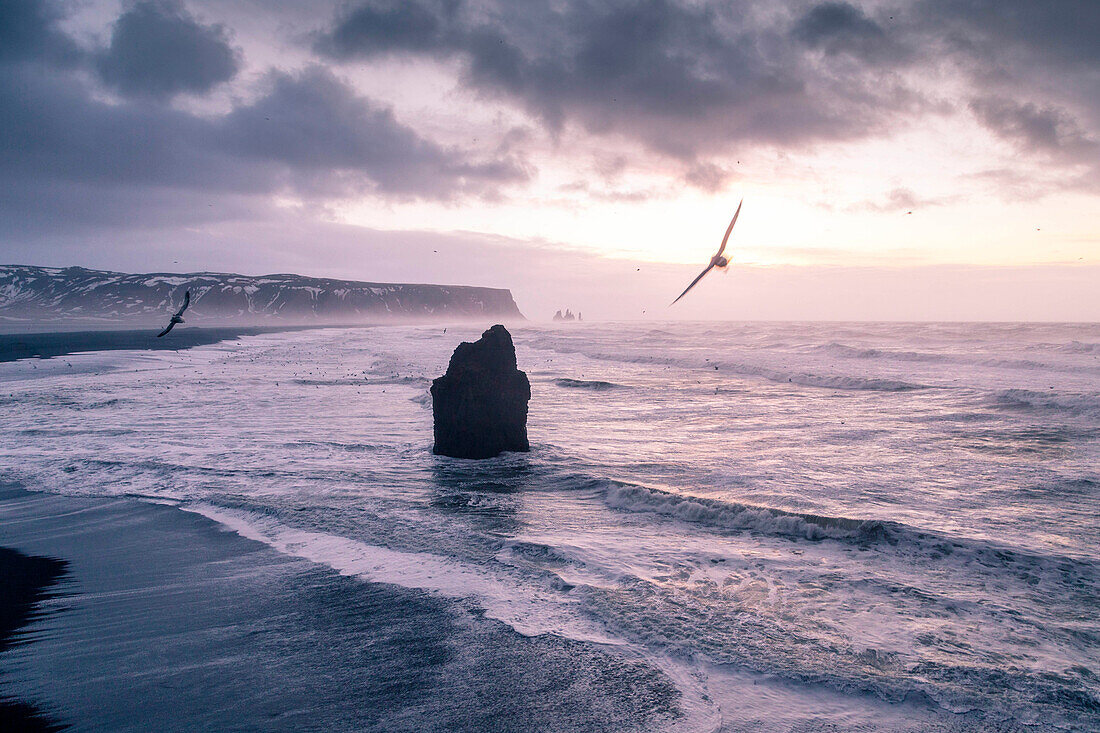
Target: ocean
[760,526]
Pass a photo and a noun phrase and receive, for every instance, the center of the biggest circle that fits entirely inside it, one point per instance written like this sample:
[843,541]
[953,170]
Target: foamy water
[891,526]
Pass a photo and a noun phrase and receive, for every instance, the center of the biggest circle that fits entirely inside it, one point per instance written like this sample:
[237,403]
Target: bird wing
[729,229]
[186,302]
[693,282]
[166,330]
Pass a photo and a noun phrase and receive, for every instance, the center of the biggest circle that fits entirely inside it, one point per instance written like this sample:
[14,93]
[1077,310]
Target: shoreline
[49,344]
[173,622]
[28,580]
[18,345]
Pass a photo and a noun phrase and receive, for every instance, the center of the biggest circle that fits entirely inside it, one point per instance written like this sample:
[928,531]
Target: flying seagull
[717,260]
[178,317]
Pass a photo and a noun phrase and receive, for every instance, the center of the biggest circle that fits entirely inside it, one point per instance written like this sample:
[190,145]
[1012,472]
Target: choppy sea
[797,526]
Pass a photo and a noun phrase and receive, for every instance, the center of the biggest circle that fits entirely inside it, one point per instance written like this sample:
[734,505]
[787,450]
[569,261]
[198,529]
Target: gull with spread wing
[717,260]
[178,316]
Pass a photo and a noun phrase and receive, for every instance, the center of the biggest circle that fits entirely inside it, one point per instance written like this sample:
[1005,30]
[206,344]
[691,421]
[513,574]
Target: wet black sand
[25,581]
[171,623]
[45,345]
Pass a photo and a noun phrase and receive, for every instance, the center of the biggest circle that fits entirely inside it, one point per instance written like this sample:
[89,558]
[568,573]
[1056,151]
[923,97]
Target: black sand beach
[172,623]
[25,581]
[45,345]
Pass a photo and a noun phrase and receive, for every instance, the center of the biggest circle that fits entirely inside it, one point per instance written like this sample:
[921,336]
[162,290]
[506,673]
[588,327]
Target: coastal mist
[719,526]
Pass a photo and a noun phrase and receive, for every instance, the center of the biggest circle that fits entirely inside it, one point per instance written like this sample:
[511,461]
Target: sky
[908,160]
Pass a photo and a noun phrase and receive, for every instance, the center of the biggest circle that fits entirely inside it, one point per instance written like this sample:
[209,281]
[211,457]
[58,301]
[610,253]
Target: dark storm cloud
[1039,128]
[1047,131]
[309,132]
[686,80]
[55,130]
[317,126]
[27,32]
[839,28]
[159,49]
[1033,66]
[1058,32]
[370,30]
[71,162]
[1034,62]
[70,159]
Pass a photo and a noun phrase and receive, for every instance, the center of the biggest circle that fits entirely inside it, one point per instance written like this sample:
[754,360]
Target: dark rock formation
[567,317]
[480,404]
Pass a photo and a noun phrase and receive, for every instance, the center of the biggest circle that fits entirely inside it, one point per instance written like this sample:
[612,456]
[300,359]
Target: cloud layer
[691,82]
[686,80]
[698,80]
[159,49]
[72,157]
[166,114]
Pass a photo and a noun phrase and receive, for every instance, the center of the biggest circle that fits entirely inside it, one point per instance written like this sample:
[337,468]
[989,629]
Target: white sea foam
[530,610]
[730,515]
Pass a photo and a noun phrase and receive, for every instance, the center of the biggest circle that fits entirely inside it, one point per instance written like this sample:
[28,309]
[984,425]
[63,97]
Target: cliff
[75,295]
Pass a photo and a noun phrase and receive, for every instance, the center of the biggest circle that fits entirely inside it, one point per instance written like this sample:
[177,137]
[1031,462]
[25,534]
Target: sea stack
[480,404]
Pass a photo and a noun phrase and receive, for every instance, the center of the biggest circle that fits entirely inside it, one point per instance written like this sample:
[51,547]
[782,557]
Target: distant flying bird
[717,260]
[178,317]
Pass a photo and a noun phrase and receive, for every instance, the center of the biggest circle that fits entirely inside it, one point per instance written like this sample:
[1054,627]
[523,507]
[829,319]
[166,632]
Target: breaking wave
[731,515]
[1080,347]
[1080,404]
[804,379]
[906,540]
[835,348]
[592,384]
